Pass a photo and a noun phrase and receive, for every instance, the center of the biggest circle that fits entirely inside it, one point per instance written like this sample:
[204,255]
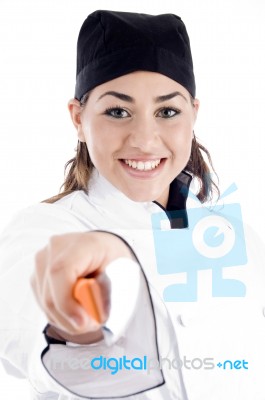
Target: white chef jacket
[215,344]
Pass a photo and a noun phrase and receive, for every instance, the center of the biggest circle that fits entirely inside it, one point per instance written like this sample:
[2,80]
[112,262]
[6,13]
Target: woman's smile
[143,168]
[142,165]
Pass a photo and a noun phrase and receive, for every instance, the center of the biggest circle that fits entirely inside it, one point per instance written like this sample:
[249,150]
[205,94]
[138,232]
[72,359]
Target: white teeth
[143,165]
[148,165]
[140,165]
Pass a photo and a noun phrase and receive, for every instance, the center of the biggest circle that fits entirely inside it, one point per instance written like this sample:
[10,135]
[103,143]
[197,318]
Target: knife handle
[88,293]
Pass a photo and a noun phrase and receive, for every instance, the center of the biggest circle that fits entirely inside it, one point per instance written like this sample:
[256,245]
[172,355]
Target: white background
[37,77]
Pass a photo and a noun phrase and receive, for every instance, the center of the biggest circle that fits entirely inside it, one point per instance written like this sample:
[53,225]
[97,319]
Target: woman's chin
[142,197]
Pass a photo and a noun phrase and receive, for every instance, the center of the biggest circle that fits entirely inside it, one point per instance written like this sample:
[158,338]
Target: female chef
[134,111]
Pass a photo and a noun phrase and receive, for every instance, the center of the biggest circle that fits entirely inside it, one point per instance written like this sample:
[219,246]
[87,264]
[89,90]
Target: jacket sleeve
[127,367]
[22,321]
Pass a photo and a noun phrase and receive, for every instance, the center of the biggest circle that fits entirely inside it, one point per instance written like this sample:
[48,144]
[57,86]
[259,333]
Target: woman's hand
[66,258]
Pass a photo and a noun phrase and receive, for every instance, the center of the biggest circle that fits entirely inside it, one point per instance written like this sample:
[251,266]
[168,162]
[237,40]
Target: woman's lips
[144,168]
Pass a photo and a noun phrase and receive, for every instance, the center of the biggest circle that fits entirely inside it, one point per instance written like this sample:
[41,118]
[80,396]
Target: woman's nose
[143,134]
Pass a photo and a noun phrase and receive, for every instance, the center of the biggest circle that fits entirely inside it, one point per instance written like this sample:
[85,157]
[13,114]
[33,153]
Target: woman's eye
[168,112]
[117,112]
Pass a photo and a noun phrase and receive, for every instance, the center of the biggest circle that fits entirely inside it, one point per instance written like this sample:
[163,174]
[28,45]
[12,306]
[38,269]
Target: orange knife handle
[87,292]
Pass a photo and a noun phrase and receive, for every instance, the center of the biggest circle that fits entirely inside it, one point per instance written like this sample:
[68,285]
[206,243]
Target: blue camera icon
[213,240]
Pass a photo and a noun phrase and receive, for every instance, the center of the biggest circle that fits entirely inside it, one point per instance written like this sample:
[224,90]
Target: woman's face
[138,129]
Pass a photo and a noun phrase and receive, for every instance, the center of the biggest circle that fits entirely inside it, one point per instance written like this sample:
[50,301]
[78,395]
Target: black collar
[176,205]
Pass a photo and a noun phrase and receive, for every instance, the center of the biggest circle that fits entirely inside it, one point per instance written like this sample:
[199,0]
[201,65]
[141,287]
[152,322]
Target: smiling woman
[95,269]
[140,144]
[152,124]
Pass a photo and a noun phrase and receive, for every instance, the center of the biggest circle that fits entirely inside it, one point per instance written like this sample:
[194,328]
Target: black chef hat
[112,44]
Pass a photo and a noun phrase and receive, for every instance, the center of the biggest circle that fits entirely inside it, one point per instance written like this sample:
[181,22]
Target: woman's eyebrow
[129,99]
[169,96]
[120,96]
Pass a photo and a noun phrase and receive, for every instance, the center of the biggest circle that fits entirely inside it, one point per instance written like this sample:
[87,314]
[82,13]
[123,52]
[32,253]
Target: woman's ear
[75,109]
[196,106]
